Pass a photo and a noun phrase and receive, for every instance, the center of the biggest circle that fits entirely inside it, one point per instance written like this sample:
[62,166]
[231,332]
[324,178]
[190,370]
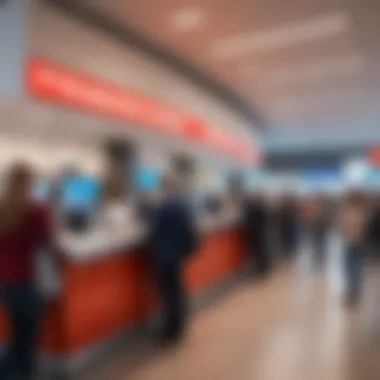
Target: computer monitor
[80,193]
[80,198]
[147,179]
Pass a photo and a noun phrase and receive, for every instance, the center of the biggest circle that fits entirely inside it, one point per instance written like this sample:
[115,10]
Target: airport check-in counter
[108,289]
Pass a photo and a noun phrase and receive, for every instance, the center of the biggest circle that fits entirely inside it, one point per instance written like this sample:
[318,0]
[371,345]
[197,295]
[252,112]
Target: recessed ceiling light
[187,19]
[283,36]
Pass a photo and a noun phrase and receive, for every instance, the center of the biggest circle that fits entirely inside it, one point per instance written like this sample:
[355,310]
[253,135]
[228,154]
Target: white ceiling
[306,65]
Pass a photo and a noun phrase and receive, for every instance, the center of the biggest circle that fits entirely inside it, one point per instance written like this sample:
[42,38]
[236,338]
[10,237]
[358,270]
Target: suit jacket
[172,233]
[255,220]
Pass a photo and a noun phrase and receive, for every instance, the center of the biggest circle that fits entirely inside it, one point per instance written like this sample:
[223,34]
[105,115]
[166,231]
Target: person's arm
[370,227]
[48,235]
[154,225]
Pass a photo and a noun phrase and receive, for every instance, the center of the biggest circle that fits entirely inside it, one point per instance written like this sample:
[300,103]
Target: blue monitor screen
[318,176]
[81,193]
[147,179]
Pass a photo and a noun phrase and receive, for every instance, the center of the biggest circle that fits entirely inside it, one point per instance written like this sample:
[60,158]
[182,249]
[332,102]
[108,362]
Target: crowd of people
[353,217]
[172,237]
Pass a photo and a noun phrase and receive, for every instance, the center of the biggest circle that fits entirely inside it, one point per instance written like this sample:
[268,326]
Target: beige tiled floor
[292,327]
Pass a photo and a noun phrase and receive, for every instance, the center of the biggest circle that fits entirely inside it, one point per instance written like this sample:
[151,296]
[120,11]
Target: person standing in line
[373,228]
[352,221]
[318,228]
[25,228]
[288,224]
[172,238]
[274,227]
[256,231]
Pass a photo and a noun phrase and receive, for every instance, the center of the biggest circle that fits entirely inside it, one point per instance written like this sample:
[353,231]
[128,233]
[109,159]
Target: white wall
[47,158]
[57,37]
[47,137]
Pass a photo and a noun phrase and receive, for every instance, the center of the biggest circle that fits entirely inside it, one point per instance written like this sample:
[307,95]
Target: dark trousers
[171,288]
[289,240]
[258,248]
[23,307]
[353,271]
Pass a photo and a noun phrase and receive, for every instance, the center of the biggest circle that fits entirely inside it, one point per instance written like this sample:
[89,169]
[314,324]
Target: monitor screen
[147,179]
[80,193]
[318,178]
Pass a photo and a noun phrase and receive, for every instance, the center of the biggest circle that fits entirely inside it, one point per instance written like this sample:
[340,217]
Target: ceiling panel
[303,64]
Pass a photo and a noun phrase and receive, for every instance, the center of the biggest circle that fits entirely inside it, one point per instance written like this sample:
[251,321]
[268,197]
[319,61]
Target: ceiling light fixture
[283,36]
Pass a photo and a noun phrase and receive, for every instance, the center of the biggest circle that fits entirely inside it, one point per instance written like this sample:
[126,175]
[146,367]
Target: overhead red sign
[55,83]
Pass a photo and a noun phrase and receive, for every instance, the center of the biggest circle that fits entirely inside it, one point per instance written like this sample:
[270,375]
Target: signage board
[51,82]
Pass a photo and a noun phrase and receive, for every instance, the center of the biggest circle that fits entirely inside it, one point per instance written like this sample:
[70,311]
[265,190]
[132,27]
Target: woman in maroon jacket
[25,227]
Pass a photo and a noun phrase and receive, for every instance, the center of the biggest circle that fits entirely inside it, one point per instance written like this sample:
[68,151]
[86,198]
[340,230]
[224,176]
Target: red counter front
[101,298]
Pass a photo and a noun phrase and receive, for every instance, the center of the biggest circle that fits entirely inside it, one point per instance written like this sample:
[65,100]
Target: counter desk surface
[108,289]
[103,240]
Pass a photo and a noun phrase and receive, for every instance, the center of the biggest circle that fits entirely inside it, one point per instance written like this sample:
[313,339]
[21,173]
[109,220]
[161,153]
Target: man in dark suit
[372,230]
[256,227]
[288,226]
[172,239]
